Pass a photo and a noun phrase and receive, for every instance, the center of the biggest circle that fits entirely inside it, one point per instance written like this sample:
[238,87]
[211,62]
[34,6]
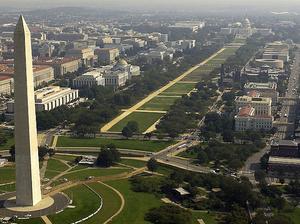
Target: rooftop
[284,160]
[246,111]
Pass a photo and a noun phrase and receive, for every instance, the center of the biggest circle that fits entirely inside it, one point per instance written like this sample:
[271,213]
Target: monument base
[45,203]
[47,206]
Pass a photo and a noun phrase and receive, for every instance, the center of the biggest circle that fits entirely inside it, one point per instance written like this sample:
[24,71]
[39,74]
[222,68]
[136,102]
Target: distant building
[188,26]
[116,78]
[246,119]
[61,66]
[262,105]
[86,55]
[42,74]
[277,51]
[268,89]
[6,85]
[107,56]
[284,160]
[88,79]
[67,36]
[49,98]
[123,66]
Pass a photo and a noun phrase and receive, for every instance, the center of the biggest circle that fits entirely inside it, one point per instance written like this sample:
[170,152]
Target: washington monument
[27,162]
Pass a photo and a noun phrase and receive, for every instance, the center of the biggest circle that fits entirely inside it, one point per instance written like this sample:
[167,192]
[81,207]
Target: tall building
[28,189]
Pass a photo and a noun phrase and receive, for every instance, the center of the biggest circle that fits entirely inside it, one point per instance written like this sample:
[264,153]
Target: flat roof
[284,160]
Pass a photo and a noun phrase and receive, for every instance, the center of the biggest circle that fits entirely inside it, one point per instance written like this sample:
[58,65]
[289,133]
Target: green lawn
[56,165]
[239,40]
[65,157]
[31,221]
[181,88]
[7,174]
[50,174]
[295,215]
[134,163]
[144,120]
[137,204]
[159,104]
[10,142]
[95,172]
[151,146]
[208,218]
[188,154]
[86,203]
[111,203]
[8,188]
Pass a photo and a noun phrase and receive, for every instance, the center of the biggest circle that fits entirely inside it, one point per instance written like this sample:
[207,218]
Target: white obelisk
[27,162]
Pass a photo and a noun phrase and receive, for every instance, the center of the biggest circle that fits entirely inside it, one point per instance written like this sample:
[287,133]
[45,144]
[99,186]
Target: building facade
[89,79]
[49,98]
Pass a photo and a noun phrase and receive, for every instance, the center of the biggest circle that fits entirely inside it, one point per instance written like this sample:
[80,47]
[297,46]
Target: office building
[88,79]
[49,98]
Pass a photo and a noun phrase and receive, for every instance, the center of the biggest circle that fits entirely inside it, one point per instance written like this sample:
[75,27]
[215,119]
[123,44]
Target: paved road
[288,114]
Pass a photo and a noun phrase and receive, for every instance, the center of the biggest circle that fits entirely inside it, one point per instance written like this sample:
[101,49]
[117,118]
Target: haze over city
[157,5]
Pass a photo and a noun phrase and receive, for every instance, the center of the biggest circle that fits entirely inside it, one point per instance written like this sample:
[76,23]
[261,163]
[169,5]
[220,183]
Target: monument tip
[21,25]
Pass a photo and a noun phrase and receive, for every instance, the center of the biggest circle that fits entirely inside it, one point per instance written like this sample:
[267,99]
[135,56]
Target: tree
[12,152]
[238,215]
[260,176]
[107,157]
[3,138]
[202,157]
[148,135]
[152,165]
[133,126]
[169,214]
[126,132]
[228,136]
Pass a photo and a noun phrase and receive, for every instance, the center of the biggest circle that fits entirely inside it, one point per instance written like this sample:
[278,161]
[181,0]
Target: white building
[86,55]
[268,89]
[49,98]
[247,120]
[262,105]
[192,26]
[88,79]
[107,56]
[116,78]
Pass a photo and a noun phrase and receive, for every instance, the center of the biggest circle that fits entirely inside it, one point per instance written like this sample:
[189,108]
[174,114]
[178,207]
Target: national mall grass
[151,146]
[144,120]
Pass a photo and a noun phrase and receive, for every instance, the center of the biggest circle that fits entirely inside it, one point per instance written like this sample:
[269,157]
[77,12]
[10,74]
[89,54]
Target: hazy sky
[154,4]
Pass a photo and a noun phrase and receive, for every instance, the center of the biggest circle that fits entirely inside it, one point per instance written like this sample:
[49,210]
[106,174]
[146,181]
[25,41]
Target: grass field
[188,154]
[295,215]
[111,203]
[136,203]
[95,172]
[7,174]
[134,163]
[56,165]
[180,88]
[10,142]
[151,146]
[65,157]
[8,188]
[86,203]
[144,120]
[31,221]
[208,218]
[159,103]
[239,41]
